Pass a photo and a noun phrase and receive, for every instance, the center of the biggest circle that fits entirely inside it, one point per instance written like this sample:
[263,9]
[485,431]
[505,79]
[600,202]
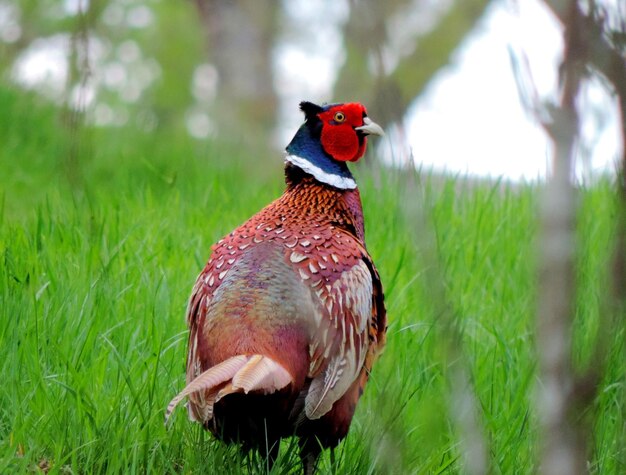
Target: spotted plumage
[287,317]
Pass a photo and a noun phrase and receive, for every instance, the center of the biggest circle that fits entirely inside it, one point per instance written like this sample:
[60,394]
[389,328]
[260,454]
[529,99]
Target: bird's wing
[201,296]
[350,332]
[207,283]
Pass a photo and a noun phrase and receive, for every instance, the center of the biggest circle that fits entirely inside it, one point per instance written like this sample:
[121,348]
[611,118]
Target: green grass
[98,256]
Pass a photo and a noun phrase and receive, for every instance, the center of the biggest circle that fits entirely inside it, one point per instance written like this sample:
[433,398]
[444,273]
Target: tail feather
[239,373]
[261,373]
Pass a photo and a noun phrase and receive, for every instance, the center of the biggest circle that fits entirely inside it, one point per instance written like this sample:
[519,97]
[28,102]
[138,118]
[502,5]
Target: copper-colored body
[286,321]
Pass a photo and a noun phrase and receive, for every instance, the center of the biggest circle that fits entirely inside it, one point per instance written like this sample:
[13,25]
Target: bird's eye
[339,117]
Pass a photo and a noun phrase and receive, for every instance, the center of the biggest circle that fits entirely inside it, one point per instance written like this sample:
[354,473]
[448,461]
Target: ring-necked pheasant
[287,317]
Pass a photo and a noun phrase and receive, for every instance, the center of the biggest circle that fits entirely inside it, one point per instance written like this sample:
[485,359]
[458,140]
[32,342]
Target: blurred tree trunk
[389,93]
[592,47]
[608,59]
[79,76]
[240,38]
[563,441]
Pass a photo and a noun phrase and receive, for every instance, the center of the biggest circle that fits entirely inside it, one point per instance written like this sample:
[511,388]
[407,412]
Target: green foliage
[97,259]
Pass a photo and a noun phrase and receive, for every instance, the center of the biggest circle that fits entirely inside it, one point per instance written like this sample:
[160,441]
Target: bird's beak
[370,127]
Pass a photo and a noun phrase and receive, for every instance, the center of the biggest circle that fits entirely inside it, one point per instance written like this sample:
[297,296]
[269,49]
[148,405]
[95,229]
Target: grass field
[98,256]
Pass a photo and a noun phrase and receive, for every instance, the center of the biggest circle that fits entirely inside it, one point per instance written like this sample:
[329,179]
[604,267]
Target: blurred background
[135,133]
[237,70]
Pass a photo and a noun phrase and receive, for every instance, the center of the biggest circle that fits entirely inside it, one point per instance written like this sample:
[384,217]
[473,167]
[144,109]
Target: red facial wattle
[339,138]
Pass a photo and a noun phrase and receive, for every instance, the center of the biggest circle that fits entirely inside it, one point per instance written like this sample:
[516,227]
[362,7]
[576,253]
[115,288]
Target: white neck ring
[341,182]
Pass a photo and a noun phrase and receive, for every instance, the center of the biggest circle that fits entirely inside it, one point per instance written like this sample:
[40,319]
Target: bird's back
[261,306]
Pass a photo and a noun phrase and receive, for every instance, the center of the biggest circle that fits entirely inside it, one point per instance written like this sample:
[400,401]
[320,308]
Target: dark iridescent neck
[305,152]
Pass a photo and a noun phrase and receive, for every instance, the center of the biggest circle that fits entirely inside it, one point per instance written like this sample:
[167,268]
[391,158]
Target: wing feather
[348,323]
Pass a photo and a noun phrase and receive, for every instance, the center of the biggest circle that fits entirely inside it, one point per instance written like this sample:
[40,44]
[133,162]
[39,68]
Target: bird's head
[332,135]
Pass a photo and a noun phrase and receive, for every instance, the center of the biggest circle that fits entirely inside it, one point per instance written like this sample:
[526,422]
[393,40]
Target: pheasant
[287,317]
